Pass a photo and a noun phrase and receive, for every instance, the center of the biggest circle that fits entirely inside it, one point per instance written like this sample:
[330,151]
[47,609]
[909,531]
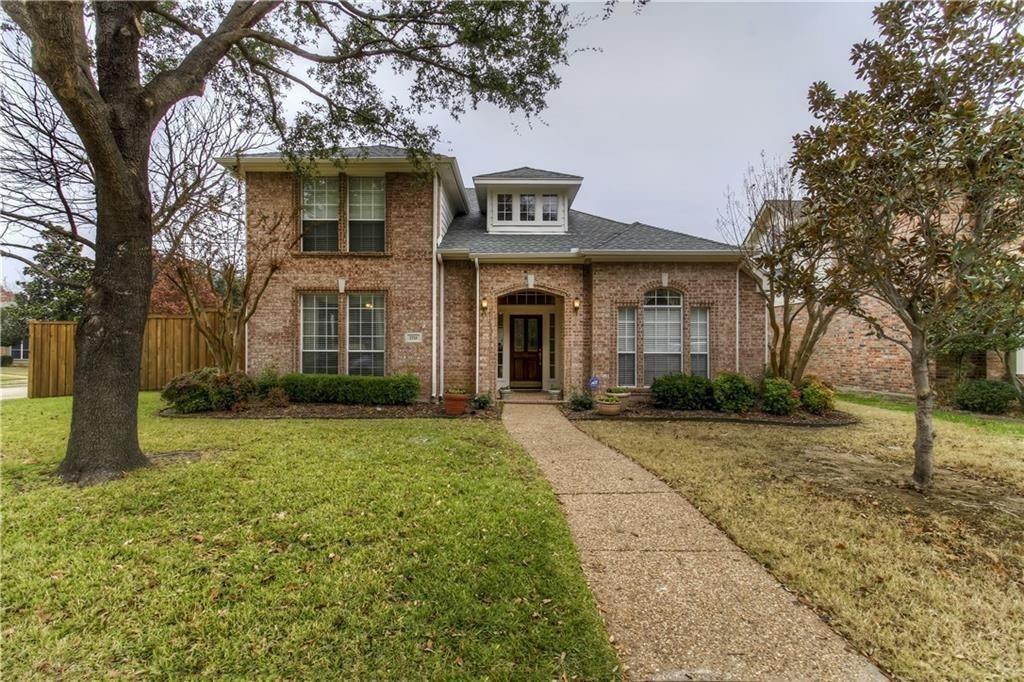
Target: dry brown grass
[929,585]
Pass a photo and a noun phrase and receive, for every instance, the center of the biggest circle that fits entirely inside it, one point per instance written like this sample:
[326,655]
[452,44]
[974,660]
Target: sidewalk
[680,599]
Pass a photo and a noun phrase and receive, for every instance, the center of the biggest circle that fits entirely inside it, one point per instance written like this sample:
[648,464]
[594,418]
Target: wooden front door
[527,350]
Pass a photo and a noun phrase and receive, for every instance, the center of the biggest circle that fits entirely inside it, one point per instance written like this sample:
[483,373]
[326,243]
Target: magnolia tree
[801,285]
[917,180]
[116,68]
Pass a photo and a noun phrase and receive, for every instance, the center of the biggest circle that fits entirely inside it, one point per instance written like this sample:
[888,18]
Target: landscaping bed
[645,411]
[422,410]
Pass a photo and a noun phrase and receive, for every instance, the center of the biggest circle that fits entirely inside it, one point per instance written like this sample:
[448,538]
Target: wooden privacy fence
[171,345]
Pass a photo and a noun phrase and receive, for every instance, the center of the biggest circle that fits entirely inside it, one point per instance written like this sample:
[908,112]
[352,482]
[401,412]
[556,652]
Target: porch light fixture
[483,304]
[576,304]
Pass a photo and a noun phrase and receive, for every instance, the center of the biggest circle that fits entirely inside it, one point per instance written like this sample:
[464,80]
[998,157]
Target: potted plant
[554,392]
[620,391]
[608,405]
[455,400]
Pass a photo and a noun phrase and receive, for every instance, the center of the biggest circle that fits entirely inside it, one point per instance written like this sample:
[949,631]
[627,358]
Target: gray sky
[681,98]
[678,101]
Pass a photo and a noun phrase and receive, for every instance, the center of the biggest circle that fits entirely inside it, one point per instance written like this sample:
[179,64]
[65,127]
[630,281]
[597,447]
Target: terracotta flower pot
[455,405]
[609,409]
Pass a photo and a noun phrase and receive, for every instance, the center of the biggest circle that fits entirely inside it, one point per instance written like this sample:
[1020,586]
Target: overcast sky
[668,114]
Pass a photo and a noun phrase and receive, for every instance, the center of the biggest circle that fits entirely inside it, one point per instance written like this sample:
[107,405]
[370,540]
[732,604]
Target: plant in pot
[554,392]
[455,401]
[609,405]
[620,391]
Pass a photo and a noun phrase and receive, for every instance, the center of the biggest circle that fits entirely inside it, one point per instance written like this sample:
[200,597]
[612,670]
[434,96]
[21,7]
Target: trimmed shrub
[6,360]
[816,396]
[779,396]
[276,397]
[398,389]
[734,392]
[206,389]
[579,401]
[267,379]
[683,392]
[481,401]
[985,396]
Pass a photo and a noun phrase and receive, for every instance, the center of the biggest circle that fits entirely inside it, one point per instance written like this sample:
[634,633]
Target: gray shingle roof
[373,151]
[527,173]
[586,233]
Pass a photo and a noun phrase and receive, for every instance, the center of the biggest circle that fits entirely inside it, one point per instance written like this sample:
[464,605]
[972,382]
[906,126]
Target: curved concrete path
[681,601]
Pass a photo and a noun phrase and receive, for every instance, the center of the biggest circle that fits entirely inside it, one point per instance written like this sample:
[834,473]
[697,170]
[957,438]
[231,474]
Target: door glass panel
[518,333]
[533,335]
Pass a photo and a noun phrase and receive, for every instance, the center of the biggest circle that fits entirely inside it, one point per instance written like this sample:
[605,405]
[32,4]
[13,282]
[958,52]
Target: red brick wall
[459,324]
[403,273]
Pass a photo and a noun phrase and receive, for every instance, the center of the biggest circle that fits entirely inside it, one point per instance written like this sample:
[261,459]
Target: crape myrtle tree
[800,284]
[116,68]
[917,180]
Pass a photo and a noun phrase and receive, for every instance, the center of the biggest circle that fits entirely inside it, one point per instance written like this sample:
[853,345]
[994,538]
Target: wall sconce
[576,304]
[483,304]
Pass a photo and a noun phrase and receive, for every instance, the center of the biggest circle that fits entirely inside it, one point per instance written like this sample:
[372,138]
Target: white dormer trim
[519,226]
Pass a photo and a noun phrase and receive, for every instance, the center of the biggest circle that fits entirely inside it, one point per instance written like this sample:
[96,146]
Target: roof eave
[580,255]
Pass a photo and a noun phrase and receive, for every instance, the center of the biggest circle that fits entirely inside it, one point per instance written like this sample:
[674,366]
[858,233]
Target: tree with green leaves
[116,68]
[918,178]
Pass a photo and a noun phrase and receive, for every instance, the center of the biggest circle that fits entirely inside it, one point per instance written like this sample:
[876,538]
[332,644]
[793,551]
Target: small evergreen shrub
[733,392]
[619,390]
[481,401]
[779,396]
[580,401]
[206,389]
[267,379]
[816,396]
[398,389]
[276,397]
[609,399]
[985,396]
[6,360]
[683,392]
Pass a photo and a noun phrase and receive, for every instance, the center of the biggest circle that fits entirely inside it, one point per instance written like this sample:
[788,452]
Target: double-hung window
[627,347]
[366,334]
[699,342]
[504,207]
[527,207]
[549,207]
[320,214]
[319,334]
[366,214]
[663,334]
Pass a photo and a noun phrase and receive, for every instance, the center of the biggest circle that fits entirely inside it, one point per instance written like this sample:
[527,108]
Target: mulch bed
[647,412]
[334,411]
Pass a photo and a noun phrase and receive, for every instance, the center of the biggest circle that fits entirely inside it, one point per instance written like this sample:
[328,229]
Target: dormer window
[527,207]
[504,207]
[549,208]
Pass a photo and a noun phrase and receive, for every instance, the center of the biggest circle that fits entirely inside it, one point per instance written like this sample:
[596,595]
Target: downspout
[433,292]
[737,318]
[440,340]
[476,262]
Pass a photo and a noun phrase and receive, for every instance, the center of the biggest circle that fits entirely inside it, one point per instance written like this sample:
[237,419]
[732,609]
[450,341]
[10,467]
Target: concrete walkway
[680,599]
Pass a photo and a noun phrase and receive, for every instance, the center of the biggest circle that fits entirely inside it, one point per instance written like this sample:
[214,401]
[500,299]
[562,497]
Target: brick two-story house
[393,268]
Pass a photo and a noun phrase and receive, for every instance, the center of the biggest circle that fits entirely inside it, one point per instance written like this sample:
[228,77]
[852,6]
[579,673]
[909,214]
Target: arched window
[663,334]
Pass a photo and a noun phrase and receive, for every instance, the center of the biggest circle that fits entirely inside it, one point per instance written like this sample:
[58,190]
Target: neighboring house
[18,351]
[391,269]
[852,356]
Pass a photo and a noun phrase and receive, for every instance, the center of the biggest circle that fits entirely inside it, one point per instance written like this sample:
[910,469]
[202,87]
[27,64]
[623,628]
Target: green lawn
[1008,425]
[321,549]
[13,375]
[930,586]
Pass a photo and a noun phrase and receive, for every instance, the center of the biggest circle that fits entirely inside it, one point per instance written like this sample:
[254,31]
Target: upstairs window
[527,207]
[699,342]
[504,207]
[549,207]
[663,334]
[366,214]
[320,214]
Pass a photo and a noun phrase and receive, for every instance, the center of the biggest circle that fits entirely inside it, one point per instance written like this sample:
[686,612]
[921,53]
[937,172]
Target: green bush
[398,389]
[683,392]
[6,360]
[779,396]
[816,396]
[206,389]
[481,401]
[275,397]
[733,392]
[983,395]
[267,379]
[580,401]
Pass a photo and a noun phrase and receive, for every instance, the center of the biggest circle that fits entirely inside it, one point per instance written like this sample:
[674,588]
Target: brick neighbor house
[390,268]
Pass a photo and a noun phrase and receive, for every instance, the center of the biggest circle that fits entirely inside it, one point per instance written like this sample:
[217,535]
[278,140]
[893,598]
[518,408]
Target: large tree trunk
[925,402]
[108,343]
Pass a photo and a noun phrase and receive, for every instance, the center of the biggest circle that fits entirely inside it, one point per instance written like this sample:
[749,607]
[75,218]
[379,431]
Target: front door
[527,350]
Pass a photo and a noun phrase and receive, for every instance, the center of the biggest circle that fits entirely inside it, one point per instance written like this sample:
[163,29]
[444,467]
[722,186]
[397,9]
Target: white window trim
[707,337]
[348,333]
[302,210]
[302,327]
[536,226]
[618,349]
[348,213]
[682,330]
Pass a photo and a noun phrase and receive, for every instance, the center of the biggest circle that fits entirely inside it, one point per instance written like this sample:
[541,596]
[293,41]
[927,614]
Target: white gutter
[477,381]
[433,289]
[737,318]
[440,388]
